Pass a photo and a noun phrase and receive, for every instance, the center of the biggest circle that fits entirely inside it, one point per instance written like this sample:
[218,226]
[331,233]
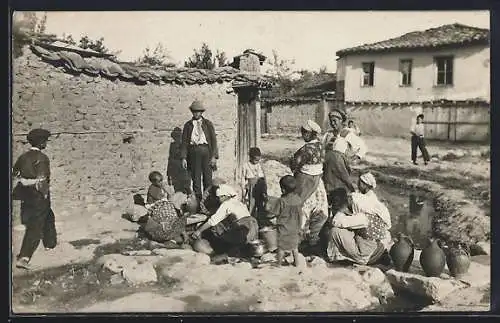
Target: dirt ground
[464,167]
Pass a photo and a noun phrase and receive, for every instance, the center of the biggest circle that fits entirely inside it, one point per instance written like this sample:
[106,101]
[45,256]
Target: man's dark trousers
[198,160]
[417,141]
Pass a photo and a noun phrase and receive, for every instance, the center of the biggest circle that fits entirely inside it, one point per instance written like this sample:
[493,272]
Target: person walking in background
[177,176]
[199,152]
[31,172]
[417,140]
[255,187]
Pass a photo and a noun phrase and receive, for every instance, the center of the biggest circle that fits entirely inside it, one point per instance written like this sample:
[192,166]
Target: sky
[311,38]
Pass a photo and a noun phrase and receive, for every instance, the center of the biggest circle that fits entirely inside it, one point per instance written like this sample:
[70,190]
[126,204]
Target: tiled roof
[446,35]
[76,60]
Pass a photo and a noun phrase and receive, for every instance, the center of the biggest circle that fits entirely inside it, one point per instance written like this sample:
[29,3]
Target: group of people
[320,208]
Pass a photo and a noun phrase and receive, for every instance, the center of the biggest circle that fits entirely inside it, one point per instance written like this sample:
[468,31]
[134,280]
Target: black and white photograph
[250,162]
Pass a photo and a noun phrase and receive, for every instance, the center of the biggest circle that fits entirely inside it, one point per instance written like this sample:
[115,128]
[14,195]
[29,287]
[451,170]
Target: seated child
[288,210]
[255,186]
[157,190]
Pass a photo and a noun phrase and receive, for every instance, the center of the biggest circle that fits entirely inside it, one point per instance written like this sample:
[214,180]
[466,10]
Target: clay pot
[458,260]
[202,246]
[433,259]
[402,252]
[270,238]
[257,248]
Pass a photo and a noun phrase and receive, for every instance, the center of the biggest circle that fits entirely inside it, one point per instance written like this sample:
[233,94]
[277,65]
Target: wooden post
[248,126]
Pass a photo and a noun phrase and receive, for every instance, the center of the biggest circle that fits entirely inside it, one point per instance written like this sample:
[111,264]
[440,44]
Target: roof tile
[446,35]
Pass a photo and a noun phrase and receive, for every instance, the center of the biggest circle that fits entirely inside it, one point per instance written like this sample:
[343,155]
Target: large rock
[481,248]
[437,288]
[464,300]
[139,302]
[135,270]
[434,288]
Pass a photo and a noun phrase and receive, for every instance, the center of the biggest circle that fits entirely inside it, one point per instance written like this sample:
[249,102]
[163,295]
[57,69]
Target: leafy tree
[42,24]
[23,24]
[155,57]
[281,71]
[203,58]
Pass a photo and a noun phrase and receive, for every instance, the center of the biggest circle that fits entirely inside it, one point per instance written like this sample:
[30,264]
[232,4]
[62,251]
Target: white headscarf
[340,145]
[368,179]
[226,190]
[312,126]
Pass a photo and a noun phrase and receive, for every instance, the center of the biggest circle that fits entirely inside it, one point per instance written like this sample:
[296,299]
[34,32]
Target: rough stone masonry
[94,116]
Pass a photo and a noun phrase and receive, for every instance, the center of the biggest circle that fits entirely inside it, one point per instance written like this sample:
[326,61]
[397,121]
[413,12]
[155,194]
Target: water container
[270,238]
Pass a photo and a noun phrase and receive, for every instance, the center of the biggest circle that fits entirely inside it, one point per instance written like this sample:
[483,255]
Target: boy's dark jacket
[209,131]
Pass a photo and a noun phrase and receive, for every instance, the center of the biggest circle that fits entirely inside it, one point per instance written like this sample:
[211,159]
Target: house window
[444,70]
[405,71]
[368,74]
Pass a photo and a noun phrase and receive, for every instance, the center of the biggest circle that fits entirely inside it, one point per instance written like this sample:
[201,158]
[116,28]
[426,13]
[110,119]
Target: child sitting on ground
[288,210]
[157,190]
[255,187]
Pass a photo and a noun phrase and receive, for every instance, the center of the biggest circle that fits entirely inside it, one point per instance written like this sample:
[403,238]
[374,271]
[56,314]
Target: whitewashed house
[443,72]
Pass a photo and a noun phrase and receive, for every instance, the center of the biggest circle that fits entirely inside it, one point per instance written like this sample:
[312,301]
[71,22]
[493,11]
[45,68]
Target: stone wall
[91,117]
[288,117]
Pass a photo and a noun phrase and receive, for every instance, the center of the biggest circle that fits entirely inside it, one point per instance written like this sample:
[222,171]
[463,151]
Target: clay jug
[402,252]
[270,238]
[433,259]
[458,260]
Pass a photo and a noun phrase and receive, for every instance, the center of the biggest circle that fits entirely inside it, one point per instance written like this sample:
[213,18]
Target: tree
[42,24]
[281,71]
[202,58]
[155,57]
[23,24]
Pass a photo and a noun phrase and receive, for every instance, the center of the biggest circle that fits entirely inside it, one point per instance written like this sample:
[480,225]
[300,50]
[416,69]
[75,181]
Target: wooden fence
[457,122]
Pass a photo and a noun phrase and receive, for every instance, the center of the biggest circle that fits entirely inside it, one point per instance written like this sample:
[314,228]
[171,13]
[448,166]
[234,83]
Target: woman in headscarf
[307,167]
[165,220]
[232,224]
[356,146]
[360,233]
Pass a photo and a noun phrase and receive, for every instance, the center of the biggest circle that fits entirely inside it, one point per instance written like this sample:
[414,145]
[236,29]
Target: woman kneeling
[360,236]
[232,223]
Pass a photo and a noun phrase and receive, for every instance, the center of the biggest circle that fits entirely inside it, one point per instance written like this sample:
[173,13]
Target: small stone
[317,262]
[116,279]
[137,252]
[139,273]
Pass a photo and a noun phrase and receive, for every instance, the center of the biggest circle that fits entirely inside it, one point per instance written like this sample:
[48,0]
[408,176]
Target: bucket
[270,238]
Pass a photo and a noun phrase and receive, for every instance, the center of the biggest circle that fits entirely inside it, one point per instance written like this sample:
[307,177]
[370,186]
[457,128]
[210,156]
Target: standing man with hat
[31,172]
[199,150]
